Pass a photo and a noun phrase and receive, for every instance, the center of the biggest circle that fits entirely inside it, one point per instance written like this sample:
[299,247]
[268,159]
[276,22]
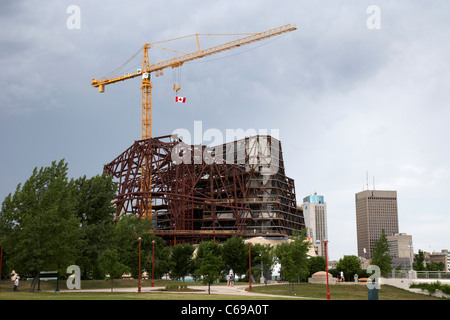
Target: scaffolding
[198,192]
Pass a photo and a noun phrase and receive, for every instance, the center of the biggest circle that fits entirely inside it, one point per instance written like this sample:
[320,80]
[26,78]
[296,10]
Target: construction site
[193,201]
[196,192]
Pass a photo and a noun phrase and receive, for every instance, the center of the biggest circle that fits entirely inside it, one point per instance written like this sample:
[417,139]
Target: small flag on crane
[180,99]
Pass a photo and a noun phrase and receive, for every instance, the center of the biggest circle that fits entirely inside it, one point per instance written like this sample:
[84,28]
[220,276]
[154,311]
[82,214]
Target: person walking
[16,284]
[228,279]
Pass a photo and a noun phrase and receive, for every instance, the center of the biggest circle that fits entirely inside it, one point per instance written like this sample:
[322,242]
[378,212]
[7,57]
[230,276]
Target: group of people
[230,279]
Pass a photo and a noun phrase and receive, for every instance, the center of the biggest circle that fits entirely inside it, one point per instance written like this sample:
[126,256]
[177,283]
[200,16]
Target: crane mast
[146,88]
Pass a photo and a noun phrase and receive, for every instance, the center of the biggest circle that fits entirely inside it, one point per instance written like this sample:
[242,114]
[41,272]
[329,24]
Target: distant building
[401,250]
[438,257]
[448,258]
[365,263]
[332,264]
[315,214]
[375,210]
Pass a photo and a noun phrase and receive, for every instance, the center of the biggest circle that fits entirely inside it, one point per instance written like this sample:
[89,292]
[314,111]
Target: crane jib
[178,61]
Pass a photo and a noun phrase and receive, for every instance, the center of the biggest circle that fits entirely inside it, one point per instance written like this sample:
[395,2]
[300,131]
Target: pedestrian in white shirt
[16,284]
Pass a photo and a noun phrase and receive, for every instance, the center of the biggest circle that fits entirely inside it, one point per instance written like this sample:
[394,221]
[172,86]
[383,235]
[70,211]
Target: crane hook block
[176,88]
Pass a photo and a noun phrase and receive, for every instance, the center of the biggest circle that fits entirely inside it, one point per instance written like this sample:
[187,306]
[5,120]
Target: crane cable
[238,53]
[122,66]
[176,79]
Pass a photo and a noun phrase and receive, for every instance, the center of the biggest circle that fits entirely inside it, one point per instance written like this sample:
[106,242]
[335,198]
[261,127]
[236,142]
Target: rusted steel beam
[192,200]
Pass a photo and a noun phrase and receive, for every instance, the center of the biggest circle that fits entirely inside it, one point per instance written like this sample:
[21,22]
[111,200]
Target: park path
[221,289]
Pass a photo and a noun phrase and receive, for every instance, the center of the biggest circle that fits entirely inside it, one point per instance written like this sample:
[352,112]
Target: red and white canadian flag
[180,99]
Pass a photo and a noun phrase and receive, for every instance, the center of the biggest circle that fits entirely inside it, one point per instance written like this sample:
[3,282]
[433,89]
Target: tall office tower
[315,213]
[375,210]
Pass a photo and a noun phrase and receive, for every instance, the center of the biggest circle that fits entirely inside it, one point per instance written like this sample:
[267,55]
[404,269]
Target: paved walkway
[216,289]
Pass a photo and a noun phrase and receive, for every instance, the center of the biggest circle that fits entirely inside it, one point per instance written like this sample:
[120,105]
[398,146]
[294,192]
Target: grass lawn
[90,284]
[342,292]
[315,291]
[48,287]
[120,296]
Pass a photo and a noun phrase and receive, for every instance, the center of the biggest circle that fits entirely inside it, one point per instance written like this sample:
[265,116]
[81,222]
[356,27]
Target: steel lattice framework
[193,199]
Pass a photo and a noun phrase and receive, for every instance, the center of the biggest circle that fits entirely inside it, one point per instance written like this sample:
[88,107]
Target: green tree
[293,258]
[419,264]
[126,233]
[96,213]
[108,263]
[435,266]
[349,265]
[380,255]
[40,223]
[284,255]
[181,256]
[125,239]
[208,262]
[300,249]
[160,256]
[266,258]
[316,264]
[235,254]
[255,252]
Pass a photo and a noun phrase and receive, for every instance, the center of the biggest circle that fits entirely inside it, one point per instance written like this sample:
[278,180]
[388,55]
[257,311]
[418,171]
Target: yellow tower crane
[146,86]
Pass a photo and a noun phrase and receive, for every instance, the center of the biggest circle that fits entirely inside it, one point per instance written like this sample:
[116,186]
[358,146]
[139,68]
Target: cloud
[345,99]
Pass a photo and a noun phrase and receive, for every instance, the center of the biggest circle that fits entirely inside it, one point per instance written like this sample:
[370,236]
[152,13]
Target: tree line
[51,222]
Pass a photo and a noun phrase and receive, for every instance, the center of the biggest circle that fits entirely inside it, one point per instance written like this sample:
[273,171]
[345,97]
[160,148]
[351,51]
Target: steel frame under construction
[199,192]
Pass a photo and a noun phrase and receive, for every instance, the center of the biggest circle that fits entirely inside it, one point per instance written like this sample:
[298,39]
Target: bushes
[432,287]
[175,287]
[446,289]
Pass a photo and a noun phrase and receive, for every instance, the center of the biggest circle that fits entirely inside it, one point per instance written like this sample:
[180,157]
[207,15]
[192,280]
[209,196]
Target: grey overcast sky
[352,90]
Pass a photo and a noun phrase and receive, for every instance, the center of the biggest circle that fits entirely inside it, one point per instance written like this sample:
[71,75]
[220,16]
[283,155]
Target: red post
[153,261]
[326,268]
[139,286]
[249,266]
